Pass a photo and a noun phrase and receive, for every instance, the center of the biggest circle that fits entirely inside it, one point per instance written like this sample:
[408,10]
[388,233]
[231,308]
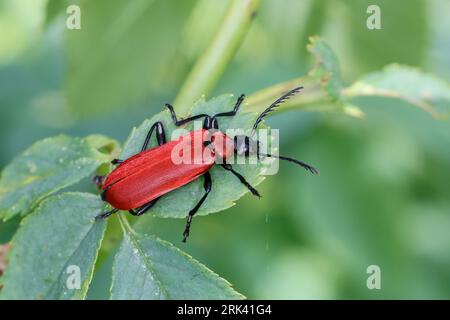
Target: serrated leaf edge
[128,231]
[37,209]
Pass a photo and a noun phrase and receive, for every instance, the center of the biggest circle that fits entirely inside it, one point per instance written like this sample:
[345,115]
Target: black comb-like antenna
[275,104]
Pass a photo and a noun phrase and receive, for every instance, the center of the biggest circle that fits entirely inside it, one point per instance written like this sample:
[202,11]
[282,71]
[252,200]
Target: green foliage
[410,84]
[407,83]
[161,271]
[61,232]
[47,167]
[326,69]
[372,173]
[59,156]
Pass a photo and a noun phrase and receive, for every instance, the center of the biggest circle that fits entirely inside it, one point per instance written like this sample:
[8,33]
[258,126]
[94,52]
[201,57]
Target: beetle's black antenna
[275,104]
[308,167]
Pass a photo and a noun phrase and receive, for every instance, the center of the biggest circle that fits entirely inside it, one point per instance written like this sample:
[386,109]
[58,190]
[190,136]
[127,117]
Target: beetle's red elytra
[137,183]
[134,174]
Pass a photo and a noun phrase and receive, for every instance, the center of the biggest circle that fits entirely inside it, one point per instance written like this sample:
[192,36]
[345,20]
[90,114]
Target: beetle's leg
[210,123]
[98,181]
[183,121]
[207,186]
[235,109]
[228,167]
[103,193]
[106,214]
[214,124]
[160,135]
[143,209]
[116,161]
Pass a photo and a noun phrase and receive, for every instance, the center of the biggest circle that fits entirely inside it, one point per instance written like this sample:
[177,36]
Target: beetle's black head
[245,145]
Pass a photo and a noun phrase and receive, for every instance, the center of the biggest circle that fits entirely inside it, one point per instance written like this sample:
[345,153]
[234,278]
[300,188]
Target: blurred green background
[383,195]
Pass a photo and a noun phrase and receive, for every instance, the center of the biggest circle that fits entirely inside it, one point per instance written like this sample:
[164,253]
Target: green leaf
[322,86]
[326,69]
[423,90]
[149,268]
[226,187]
[60,233]
[47,166]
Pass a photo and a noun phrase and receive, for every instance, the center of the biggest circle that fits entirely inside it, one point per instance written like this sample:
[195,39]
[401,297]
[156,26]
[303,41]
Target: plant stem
[311,98]
[212,63]
[312,93]
[125,224]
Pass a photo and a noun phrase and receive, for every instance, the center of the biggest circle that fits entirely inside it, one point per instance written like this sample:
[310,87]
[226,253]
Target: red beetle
[138,182]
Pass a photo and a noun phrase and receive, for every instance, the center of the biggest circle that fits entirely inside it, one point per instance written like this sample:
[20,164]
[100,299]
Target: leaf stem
[212,63]
[312,98]
[125,225]
[311,94]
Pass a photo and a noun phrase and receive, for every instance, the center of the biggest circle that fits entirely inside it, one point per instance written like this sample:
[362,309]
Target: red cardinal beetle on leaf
[138,182]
